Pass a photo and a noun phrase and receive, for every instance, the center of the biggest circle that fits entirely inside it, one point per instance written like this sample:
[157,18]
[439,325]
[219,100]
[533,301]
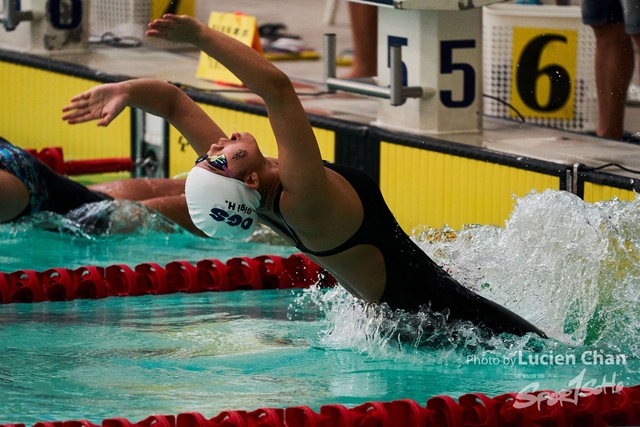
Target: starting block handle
[12,16]
[396,93]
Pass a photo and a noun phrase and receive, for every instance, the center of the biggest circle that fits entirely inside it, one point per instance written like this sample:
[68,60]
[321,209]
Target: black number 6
[528,73]
[65,15]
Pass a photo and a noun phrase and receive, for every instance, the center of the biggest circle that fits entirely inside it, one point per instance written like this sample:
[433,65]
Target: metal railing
[11,16]
[395,92]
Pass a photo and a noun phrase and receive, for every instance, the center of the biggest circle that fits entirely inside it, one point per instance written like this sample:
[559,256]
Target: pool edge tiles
[437,189]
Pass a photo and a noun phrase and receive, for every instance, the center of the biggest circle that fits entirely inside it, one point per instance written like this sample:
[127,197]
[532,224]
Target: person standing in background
[364,35]
[615,24]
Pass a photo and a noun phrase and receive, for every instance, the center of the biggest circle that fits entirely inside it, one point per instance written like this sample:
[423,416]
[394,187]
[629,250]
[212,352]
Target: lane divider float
[54,158]
[208,275]
[600,407]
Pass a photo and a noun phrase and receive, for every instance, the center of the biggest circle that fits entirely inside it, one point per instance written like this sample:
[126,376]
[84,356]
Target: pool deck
[305,19]
[505,136]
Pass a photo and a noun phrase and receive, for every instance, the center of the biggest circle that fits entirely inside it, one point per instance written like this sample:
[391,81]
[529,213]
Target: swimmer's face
[240,152]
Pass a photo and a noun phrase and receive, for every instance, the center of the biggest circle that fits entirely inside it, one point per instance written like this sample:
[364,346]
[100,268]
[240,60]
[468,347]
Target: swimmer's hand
[176,28]
[103,103]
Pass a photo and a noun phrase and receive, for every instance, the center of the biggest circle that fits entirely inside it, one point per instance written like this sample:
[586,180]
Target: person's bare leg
[174,208]
[636,41]
[14,195]
[614,59]
[138,189]
[163,195]
[364,33]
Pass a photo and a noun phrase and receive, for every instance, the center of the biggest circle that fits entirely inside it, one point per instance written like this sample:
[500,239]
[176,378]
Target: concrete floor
[302,17]
[306,18]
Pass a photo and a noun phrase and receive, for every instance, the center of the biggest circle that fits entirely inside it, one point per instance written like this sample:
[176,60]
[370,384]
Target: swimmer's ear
[252,180]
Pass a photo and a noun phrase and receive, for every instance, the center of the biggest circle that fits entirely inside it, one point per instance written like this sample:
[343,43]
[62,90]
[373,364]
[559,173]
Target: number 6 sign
[543,70]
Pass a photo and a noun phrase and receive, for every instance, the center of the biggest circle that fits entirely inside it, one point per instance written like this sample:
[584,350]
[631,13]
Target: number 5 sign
[441,51]
[543,72]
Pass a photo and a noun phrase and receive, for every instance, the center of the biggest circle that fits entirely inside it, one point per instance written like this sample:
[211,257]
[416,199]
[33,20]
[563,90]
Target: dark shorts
[600,12]
[48,190]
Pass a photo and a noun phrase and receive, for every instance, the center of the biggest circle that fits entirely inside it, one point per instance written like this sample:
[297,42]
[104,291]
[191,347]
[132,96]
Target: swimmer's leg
[479,310]
[14,195]
[174,208]
[499,319]
[139,189]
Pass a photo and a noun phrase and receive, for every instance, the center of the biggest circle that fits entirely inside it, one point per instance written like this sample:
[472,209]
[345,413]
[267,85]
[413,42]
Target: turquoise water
[569,267]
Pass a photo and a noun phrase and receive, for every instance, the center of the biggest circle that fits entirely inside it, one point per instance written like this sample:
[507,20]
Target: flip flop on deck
[280,46]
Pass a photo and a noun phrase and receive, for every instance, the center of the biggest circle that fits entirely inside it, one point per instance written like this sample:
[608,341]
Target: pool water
[569,267]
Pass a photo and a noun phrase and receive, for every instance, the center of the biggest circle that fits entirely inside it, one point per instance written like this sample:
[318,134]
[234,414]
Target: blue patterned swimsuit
[48,190]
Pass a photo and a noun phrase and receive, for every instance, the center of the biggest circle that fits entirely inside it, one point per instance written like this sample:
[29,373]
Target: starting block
[42,26]
[440,70]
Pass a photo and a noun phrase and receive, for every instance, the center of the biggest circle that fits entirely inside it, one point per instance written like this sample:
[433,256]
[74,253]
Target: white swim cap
[219,206]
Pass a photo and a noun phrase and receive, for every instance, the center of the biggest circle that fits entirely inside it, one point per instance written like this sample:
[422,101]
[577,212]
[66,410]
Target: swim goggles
[219,162]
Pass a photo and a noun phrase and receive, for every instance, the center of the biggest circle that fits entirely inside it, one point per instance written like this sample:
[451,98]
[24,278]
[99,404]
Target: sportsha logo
[233,220]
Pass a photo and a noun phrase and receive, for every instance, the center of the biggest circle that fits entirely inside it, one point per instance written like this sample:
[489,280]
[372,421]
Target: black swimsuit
[48,190]
[413,279]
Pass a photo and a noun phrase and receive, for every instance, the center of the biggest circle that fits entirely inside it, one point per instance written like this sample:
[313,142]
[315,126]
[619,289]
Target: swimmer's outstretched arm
[105,102]
[301,170]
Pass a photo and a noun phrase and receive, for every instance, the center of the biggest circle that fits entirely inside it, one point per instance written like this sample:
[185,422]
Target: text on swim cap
[235,220]
[242,208]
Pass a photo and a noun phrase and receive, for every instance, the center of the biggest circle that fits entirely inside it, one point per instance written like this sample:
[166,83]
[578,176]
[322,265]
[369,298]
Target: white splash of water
[382,334]
[117,217]
[570,267]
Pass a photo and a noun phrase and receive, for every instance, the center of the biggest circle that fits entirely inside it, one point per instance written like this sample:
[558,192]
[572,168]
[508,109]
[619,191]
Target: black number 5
[447,66]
